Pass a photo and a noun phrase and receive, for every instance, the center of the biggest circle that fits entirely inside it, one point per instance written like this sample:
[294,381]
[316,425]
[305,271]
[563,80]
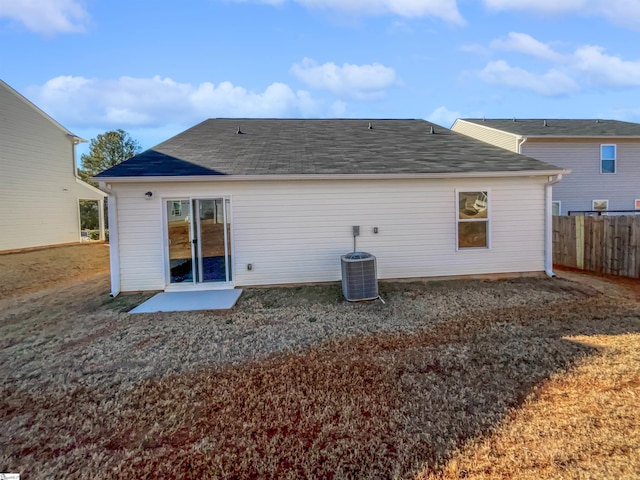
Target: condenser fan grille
[359,277]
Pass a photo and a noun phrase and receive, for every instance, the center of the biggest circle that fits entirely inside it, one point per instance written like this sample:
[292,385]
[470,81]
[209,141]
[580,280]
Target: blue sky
[157,68]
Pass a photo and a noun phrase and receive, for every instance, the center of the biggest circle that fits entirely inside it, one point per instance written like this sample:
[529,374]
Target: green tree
[89,215]
[105,151]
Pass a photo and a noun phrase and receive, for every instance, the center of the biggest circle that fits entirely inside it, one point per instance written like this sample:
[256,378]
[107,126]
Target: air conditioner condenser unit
[359,276]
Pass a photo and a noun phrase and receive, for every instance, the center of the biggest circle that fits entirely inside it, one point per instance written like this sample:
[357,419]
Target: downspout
[520,140]
[75,141]
[548,214]
[548,224]
[114,248]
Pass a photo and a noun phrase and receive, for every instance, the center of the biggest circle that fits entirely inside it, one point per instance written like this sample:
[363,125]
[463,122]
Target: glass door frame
[196,247]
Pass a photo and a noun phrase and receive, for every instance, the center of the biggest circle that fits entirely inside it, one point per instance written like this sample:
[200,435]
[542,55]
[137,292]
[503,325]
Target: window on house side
[600,205]
[473,220]
[607,159]
[637,204]
[555,208]
[176,210]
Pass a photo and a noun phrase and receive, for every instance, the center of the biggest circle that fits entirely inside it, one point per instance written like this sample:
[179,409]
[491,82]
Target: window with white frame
[555,208]
[636,204]
[600,205]
[607,159]
[473,219]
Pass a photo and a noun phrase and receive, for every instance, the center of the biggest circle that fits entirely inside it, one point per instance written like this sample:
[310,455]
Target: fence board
[604,244]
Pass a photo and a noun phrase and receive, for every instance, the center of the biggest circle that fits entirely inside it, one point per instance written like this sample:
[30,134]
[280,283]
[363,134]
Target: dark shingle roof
[316,147]
[561,127]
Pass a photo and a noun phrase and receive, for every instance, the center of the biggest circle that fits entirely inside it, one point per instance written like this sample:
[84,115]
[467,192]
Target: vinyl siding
[486,134]
[585,183]
[38,190]
[295,231]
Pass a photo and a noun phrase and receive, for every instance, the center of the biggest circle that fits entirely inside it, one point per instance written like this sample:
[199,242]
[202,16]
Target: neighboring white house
[603,156]
[39,186]
[256,202]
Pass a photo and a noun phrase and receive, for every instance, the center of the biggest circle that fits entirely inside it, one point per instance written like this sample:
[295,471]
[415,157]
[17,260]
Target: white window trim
[488,220]
[636,204]
[615,158]
[593,205]
[559,206]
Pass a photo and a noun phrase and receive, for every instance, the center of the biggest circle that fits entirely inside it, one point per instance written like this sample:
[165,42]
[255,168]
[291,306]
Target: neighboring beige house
[244,202]
[603,156]
[39,186]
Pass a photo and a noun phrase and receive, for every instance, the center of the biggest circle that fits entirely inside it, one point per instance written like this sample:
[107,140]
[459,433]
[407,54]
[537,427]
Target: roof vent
[545,123]
[433,130]
[370,127]
[239,132]
[514,119]
[597,120]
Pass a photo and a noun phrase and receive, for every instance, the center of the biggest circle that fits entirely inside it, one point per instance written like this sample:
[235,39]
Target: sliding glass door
[199,241]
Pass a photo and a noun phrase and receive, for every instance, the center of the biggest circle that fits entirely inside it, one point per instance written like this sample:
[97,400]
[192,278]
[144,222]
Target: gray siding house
[271,201]
[39,186]
[603,156]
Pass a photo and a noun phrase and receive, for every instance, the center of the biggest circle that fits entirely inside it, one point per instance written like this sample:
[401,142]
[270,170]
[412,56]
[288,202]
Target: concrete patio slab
[189,301]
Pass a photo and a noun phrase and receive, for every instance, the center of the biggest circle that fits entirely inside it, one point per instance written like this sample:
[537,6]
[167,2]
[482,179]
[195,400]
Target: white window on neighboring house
[607,159]
[637,204]
[600,205]
[555,208]
[473,219]
[176,209]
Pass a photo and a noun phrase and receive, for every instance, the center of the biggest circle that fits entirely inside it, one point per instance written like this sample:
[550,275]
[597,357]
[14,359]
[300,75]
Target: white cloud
[551,83]
[539,6]
[46,17]
[475,48]
[150,102]
[443,116]
[356,81]
[588,66]
[621,12]
[605,70]
[523,43]
[445,9]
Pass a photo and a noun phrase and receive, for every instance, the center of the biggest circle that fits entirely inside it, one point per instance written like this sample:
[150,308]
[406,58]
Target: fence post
[579,241]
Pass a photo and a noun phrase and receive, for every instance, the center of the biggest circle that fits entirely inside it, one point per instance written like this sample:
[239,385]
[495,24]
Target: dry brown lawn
[583,423]
[38,269]
[540,381]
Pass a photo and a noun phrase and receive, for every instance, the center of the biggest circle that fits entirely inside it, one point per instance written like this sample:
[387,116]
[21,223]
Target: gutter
[311,176]
[548,224]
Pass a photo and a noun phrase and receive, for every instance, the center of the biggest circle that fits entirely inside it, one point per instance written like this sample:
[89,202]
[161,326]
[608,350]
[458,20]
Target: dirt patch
[614,285]
[298,383]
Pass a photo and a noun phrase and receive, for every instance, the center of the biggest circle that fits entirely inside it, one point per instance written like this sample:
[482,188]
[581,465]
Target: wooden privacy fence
[605,244]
